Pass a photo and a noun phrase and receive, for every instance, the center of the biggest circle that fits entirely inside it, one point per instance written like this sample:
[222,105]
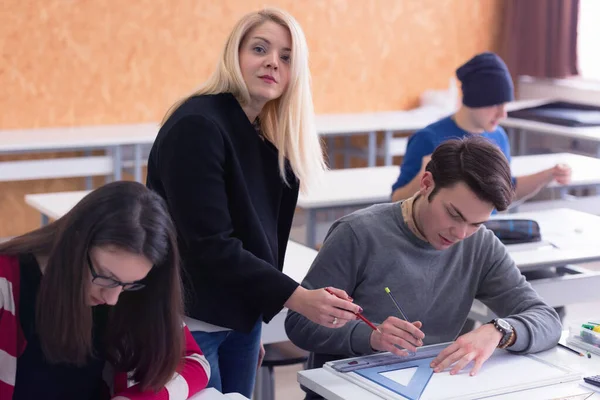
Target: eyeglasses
[107,282]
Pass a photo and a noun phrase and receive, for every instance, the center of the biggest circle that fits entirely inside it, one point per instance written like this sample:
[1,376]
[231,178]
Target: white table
[389,122]
[346,188]
[333,387]
[418,118]
[591,134]
[356,187]
[568,237]
[110,137]
[114,138]
[298,258]
[214,394]
[297,262]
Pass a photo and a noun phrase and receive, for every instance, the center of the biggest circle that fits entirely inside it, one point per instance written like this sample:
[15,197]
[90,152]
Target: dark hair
[144,329]
[478,163]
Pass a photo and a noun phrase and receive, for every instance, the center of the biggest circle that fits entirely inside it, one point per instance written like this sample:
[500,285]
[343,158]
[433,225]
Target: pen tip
[387,289]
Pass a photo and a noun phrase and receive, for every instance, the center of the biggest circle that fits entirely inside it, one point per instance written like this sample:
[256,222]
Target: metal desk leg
[347,147]
[311,228]
[522,142]
[88,179]
[118,163]
[372,149]
[387,143]
[510,132]
[137,162]
[563,192]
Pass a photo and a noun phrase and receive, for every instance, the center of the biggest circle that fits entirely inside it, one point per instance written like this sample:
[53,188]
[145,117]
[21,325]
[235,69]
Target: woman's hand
[330,310]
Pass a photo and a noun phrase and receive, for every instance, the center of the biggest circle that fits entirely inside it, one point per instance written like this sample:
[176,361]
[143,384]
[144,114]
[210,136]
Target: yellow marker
[388,291]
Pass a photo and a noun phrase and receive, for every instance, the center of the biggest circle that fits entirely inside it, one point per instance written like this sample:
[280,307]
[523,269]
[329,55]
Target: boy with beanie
[486,88]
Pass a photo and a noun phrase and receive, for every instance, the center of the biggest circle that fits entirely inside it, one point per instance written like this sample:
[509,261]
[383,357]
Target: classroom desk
[357,187]
[214,394]
[389,122]
[112,138]
[412,120]
[117,138]
[333,387]
[568,237]
[517,128]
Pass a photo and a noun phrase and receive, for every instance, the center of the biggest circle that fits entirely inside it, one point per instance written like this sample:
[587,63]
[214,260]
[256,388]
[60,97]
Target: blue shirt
[423,142]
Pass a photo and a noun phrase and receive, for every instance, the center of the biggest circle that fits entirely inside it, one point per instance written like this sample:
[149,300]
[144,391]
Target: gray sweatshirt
[373,248]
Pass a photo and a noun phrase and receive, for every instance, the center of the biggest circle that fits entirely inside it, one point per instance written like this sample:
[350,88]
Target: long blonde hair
[288,121]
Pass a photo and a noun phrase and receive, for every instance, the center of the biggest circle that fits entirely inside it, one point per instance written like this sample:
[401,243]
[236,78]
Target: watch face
[503,324]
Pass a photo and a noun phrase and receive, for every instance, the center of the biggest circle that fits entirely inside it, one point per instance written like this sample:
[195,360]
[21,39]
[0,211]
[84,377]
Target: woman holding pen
[230,160]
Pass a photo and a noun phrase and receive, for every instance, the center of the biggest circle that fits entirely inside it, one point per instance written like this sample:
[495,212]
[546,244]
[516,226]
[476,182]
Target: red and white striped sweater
[192,378]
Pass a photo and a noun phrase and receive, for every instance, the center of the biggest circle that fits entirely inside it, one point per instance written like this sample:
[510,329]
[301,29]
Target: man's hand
[477,345]
[561,173]
[397,332]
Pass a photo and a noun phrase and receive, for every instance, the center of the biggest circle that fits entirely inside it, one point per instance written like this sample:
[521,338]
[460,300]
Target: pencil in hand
[359,315]
[389,292]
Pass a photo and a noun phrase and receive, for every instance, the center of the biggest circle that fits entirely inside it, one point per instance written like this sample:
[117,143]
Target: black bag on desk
[515,231]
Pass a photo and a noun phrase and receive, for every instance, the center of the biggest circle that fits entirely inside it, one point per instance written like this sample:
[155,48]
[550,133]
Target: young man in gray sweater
[436,257]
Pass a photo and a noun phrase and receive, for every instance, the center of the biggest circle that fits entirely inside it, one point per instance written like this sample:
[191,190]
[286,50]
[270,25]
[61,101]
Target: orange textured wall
[66,62]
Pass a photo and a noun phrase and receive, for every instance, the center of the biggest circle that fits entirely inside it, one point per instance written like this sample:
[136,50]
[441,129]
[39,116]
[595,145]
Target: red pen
[359,315]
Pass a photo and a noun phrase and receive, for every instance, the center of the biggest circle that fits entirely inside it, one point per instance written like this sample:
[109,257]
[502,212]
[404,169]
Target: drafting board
[503,373]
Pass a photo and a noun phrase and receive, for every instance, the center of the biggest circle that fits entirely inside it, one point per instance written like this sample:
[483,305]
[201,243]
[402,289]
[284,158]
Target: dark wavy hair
[144,329]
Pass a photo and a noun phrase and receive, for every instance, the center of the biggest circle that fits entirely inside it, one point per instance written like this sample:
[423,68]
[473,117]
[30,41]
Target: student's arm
[191,378]
[339,263]
[506,292]
[529,185]
[418,153]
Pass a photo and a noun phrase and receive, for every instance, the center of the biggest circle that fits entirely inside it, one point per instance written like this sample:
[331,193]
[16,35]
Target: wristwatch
[507,331]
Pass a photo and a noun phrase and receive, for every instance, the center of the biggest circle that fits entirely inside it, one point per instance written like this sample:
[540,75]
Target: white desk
[346,188]
[591,134]
[114,138]
[297,262]
[298,258]
[355,187]
[333,387]
[110,137]
[214,394]
[418,118]
[573,239]
[389,122]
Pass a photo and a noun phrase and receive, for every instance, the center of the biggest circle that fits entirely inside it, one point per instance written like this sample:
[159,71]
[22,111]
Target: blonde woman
[230,160]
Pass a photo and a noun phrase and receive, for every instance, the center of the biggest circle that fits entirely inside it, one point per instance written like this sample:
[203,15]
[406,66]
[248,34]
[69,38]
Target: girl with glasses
[97,293]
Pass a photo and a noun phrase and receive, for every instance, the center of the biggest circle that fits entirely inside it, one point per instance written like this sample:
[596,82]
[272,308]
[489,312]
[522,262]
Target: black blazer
[232,210]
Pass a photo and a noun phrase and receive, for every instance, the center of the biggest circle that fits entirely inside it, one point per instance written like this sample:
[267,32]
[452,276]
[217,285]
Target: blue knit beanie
[485,81]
